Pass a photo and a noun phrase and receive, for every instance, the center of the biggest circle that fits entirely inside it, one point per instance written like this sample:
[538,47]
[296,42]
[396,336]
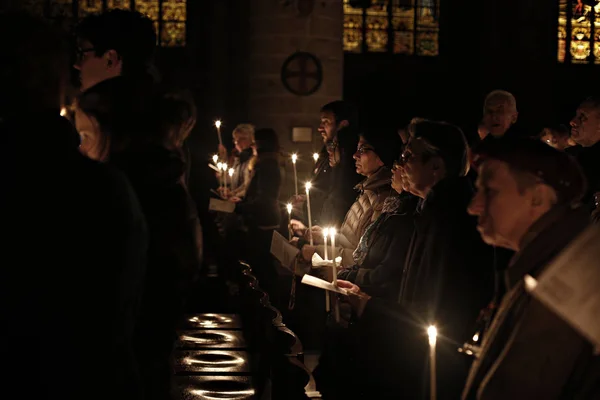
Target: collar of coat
[551,233]
[382,177]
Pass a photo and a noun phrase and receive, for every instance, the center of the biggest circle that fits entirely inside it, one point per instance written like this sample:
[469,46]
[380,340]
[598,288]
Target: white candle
[432,333]
[308,185]
[316,156]
[332,233]
[218,125]
[224,175]
[289,210]
[325,233]
[294,159]
[220,167]
[231,178]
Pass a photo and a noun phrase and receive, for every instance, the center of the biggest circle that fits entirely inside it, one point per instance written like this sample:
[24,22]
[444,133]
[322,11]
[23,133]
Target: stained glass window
[579,31]
[392,26]
[169,16]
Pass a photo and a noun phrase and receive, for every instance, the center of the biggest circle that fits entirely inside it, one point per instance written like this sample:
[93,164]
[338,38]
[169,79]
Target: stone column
[277,29]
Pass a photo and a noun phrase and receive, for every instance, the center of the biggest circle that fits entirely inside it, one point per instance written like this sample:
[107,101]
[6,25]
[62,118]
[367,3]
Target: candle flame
[218,123]
[215,158]
[294,158]
[220,165]
[224,166]
[308,185]
[63,112]
[476,337]
[289,208]
[332,232]
[432,333]
[325,232]
[230,171]
[316,156]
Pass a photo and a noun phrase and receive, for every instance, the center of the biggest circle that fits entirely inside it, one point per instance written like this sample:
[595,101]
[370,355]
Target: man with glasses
[114,43]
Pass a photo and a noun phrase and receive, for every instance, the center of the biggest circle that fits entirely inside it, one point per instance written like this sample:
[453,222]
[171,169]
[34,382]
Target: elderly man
[446,278]
[527,201]
[499,114]
[585,131]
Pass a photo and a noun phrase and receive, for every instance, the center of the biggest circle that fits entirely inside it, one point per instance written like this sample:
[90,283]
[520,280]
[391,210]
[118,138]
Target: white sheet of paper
[282,250]
[317,261]
[221,205]
[212,166]
[569,285]
[320,283]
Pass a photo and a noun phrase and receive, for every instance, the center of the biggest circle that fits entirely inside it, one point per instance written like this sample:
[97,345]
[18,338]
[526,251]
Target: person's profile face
[91,139]
[327,126]
[94,69]
[585,125]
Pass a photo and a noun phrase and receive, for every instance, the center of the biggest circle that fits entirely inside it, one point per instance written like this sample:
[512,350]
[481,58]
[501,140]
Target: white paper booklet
[320,283]
[569,285]
[221,205]
[317,261]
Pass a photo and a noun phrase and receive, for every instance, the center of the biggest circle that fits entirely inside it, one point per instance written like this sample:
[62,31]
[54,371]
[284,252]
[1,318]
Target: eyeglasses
[363,149]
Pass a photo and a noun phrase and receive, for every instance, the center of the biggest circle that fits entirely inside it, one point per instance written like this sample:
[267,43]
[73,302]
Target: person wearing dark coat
[74,238]
[118,125]
[446,279]
[529,351]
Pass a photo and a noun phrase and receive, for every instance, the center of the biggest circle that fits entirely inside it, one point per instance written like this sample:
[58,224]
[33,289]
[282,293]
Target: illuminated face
[92,144]
[498,116]
[503,211]
[417,177]
[241,142]
[367,161]
[585,125]
[327,126]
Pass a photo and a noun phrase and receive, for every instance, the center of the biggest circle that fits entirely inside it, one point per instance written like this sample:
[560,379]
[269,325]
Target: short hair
[502,95]
[246,130]
[342,110]
[446,141]
[34,63]
[560,130]
[594,101]
[266,140]
[130,33]
[178,117]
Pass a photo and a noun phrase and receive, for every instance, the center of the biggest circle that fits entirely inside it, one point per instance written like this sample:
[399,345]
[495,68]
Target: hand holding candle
[294,159]
[308,185]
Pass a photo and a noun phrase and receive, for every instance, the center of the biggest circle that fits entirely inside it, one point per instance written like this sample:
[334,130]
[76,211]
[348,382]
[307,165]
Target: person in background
[557,136]
[120,127]
[74,237]
[499,115]
[243,137]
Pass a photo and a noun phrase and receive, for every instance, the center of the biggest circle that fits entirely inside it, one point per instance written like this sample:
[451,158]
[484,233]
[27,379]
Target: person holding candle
[373,158]
[446,278]
[334,175]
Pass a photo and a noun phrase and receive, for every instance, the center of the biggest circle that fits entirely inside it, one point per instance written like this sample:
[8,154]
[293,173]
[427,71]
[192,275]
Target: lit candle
[224,175]
[332,233]
[220,168]
[432,333]
[308,185]
[215,159]
[63,112]
[325,233]
[218,125]
[316,156]
[294,159]
[231,177]
[289,210]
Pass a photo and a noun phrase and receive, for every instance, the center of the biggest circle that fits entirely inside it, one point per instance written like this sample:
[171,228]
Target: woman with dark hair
[126,128]
[260,208]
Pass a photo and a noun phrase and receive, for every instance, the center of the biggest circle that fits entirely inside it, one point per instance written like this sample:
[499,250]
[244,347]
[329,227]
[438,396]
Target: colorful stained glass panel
[172,34]
[173,10]
[427,44]
[87,7]
[121,4]
[148,8]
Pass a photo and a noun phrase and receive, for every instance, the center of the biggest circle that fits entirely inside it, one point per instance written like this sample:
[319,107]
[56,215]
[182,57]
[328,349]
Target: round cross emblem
[302,73]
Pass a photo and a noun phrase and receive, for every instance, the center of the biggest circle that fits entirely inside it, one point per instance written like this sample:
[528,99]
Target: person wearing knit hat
[528,200]
[385,144]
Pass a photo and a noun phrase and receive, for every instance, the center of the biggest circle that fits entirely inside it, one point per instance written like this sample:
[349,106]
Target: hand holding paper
[320,283]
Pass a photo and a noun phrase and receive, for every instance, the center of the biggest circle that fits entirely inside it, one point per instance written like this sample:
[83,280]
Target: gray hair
[245,130]
[501,95]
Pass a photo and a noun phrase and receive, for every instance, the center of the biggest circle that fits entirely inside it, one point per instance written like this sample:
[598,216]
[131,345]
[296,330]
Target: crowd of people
[102,241]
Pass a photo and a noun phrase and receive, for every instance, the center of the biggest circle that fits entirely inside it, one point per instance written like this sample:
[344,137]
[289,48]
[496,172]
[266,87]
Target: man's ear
[113,60]
[514,117]
[343,124]
[543,196]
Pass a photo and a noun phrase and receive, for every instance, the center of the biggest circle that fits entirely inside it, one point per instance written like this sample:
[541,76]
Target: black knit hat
[386,144]
[555,168]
